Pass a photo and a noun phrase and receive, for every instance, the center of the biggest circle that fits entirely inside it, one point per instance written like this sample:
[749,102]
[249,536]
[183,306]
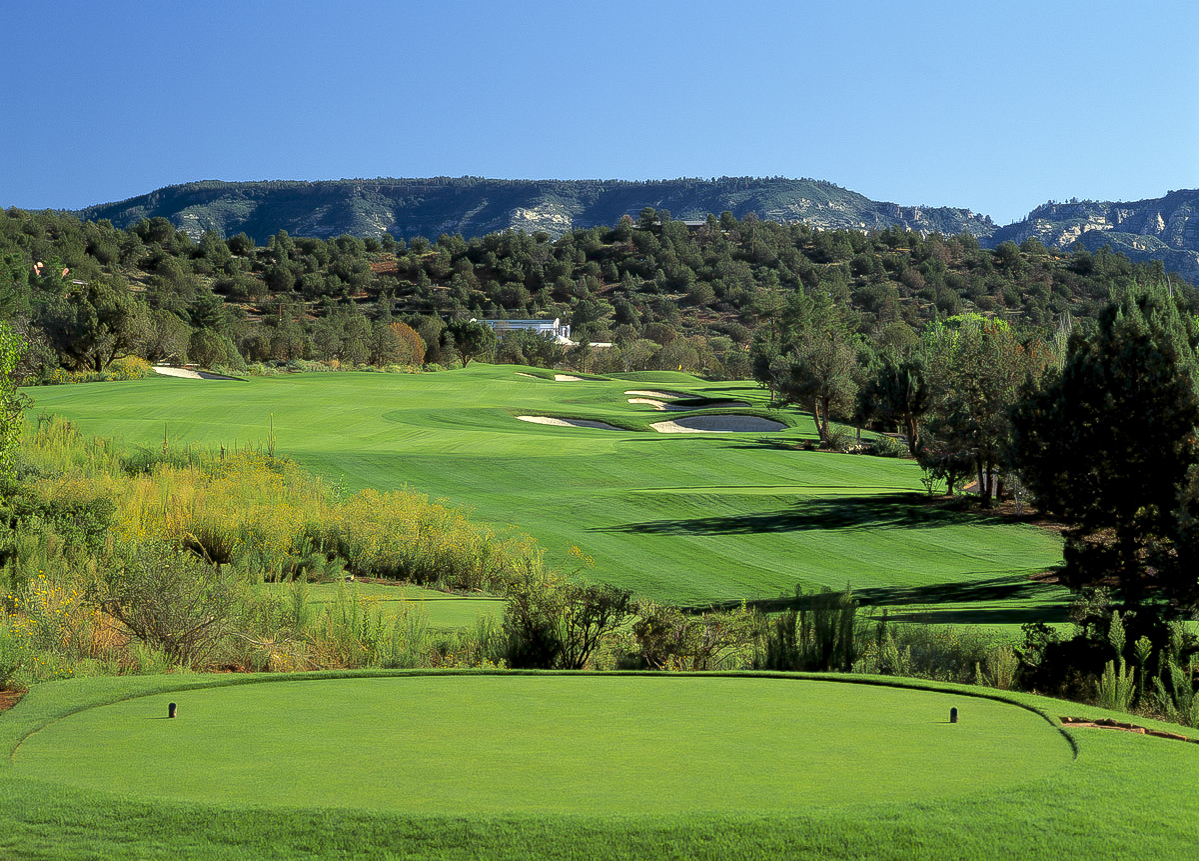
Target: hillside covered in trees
[1165,228]
[665,293]
[473,206]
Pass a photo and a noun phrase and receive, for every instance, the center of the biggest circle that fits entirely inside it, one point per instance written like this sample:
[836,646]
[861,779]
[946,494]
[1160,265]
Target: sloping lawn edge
[52,701]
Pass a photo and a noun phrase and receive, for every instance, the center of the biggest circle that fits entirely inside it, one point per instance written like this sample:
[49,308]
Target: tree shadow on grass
[882,511]
[985,615]
[985,592]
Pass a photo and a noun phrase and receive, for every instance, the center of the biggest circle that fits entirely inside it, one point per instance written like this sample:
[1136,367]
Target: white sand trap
[658,393]
[558,378]
[567,423]
[719,424]
[189,374]
[658,405]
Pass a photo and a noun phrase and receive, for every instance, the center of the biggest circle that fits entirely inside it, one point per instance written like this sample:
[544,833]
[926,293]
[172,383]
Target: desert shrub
[130,368]
[46,630]
[669,639]
[12,658]
[170,600]
[127,368]
[840,438]
[885,446]
[1114,689]
[940,652]
[551,622]
[821,634]
[165,545]
[1000,668]
[401,535]
[145,660]
[1173,694]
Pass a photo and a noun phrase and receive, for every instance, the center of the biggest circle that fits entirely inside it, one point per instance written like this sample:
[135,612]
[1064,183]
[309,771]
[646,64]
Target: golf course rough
[723,517]
[542,743]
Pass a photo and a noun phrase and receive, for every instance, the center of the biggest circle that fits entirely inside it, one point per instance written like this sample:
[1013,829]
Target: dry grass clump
[85,515]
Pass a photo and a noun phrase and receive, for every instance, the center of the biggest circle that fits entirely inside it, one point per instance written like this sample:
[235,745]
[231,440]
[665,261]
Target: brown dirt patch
[386,266]
[8,699]
[1108,723]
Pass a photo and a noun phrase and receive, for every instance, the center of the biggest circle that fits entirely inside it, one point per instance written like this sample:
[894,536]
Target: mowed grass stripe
[620,496]
[520,744]
[1085,809]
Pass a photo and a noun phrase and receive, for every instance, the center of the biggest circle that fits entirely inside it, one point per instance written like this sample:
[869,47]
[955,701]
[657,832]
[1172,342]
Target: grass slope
[687,518]
[443,611]
[848,783]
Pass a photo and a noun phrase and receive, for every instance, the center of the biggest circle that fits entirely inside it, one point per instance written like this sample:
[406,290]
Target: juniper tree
[1108,443]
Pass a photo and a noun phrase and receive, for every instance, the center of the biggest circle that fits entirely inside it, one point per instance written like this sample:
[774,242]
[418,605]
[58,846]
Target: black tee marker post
[953,714]
[171,710]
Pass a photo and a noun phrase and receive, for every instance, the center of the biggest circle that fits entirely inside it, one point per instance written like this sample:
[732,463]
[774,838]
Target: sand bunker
[558,378]
[658,393]
[189,374]
[567,423]
[658,405]
[719,424]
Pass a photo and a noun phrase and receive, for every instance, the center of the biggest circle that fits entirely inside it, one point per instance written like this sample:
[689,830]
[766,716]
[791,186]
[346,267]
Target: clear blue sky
[995,107]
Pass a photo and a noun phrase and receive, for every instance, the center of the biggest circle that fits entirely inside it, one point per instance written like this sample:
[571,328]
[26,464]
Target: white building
[549,328]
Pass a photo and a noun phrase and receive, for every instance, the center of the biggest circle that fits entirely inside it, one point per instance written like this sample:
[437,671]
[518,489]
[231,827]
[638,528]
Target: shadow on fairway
[885,511]
[985,616]
[1009,587]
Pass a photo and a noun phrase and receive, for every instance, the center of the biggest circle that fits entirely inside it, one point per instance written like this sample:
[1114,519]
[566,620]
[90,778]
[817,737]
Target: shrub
[553,623]
[669,639]
[840,438]
[1115,687]
[939,652]
[170,600]
[12,656]
[1000,668]
[821,634]
[885,446]
[1174,692]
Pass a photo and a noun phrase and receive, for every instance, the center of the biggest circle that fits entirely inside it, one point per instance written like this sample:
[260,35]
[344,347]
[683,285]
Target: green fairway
[520,744]
[473,766]
[686,518]
[444,611]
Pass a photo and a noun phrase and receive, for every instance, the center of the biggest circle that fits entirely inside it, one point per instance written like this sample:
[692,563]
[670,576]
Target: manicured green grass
[444,611]
[562,766]
[515,744]
[685,518]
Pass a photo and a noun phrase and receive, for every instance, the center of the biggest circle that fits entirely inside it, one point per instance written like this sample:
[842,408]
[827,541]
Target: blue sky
[994,109]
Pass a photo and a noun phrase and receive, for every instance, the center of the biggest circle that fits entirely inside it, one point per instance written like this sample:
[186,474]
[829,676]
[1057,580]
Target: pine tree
[1107,445]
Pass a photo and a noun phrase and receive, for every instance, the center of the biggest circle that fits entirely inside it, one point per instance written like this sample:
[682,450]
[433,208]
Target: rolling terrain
[455,766]
[1164,228]
[685,518]
[474,206]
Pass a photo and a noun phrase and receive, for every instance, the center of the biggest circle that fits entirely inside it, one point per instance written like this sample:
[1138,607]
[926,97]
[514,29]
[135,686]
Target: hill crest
[474,206]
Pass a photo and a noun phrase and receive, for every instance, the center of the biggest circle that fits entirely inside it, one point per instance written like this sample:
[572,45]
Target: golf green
[565,744]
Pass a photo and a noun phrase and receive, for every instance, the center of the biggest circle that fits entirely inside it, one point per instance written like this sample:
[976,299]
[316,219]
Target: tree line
[665,293]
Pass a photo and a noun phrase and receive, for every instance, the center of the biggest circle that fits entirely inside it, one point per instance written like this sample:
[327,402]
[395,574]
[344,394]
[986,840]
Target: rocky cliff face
[1163,228]
[472,207]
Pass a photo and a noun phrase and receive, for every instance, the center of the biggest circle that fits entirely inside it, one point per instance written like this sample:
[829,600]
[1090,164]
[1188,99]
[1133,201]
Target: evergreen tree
[1108,445]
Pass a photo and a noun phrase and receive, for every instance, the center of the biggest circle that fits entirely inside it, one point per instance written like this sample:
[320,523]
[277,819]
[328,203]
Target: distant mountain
[473,206]
[1162,228]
